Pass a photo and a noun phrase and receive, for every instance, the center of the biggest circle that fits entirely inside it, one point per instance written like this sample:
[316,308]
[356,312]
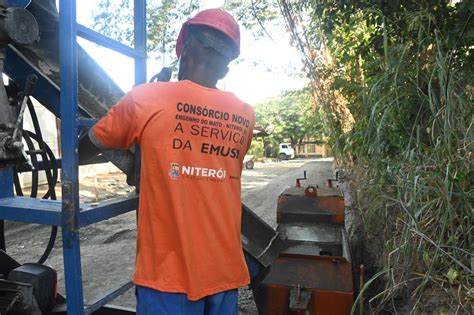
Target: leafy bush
[401,73]
[292,117]
[256,149]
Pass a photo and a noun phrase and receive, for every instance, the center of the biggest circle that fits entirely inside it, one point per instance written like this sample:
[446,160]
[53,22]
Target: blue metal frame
[49,212]
[139,31]
[6,182]
[108,297]
[68,213]
[105,41]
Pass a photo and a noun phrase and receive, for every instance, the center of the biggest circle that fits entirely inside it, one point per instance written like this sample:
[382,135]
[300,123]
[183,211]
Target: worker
[193,138]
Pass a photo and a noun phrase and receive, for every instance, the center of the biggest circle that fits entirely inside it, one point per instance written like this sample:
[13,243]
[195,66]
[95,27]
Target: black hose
[51,170]
[50,246]
[3,246]
[16,182]
[47,155]
[34,162]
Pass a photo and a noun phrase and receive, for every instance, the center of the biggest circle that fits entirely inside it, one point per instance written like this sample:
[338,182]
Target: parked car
[285,152]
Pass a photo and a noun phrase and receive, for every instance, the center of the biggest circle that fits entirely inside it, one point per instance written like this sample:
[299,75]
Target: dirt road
[108,248]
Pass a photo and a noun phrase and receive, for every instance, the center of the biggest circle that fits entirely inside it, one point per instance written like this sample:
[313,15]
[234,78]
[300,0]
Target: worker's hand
[123,159]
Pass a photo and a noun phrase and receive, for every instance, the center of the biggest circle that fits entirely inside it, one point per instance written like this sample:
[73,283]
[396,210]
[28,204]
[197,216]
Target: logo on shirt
[203,173]
[174,171]
[198,173]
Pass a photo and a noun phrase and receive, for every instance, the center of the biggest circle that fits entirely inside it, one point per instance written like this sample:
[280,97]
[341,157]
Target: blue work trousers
[153,302]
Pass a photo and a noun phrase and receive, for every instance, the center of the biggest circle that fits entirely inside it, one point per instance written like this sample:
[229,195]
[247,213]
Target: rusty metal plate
[293,209]
[299,299]
[320,192]
[275,300]
[311,272]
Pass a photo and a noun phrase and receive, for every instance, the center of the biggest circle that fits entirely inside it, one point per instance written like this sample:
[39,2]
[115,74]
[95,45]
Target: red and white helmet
[217,19]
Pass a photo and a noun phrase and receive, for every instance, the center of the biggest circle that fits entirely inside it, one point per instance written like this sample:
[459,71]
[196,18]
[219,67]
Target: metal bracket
[17,296]
[69,215]
[299,298]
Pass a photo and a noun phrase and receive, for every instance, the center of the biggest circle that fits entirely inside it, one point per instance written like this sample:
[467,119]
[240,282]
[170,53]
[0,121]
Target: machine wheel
[249,165]
[282,157]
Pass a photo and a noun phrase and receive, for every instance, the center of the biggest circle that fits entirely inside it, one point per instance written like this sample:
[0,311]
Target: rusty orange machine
[314,274]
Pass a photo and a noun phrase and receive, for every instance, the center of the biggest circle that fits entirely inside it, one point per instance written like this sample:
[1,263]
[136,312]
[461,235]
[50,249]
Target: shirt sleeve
[117,130]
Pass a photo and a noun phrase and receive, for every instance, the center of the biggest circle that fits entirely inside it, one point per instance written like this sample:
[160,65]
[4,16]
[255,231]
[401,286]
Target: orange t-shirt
[193,140]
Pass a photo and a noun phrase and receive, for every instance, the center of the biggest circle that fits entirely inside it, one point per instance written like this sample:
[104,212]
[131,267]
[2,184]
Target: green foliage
[256,149]
[255,15]
[404,71]
[289,117]
[114,18]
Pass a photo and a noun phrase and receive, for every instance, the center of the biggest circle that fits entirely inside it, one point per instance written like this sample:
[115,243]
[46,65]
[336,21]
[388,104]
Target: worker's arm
[114,134]
[117,129]
[121,158]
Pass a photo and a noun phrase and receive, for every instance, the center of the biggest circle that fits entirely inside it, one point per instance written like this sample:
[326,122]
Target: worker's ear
[223,72]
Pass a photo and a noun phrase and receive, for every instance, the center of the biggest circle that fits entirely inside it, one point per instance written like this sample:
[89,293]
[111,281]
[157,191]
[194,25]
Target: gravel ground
[108,248]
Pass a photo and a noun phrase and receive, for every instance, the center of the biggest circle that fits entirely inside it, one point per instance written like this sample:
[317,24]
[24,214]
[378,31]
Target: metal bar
[86,122]
[42,211]
[107,42]
[41,165]
[108,297]
[6,190]
[69,145]
[139,31]
[31,210]
[140,37]
[73,273]
[115,310]
[6,185]
[103,210]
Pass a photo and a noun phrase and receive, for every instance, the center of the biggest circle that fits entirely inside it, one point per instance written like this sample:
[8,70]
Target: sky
[263,71]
